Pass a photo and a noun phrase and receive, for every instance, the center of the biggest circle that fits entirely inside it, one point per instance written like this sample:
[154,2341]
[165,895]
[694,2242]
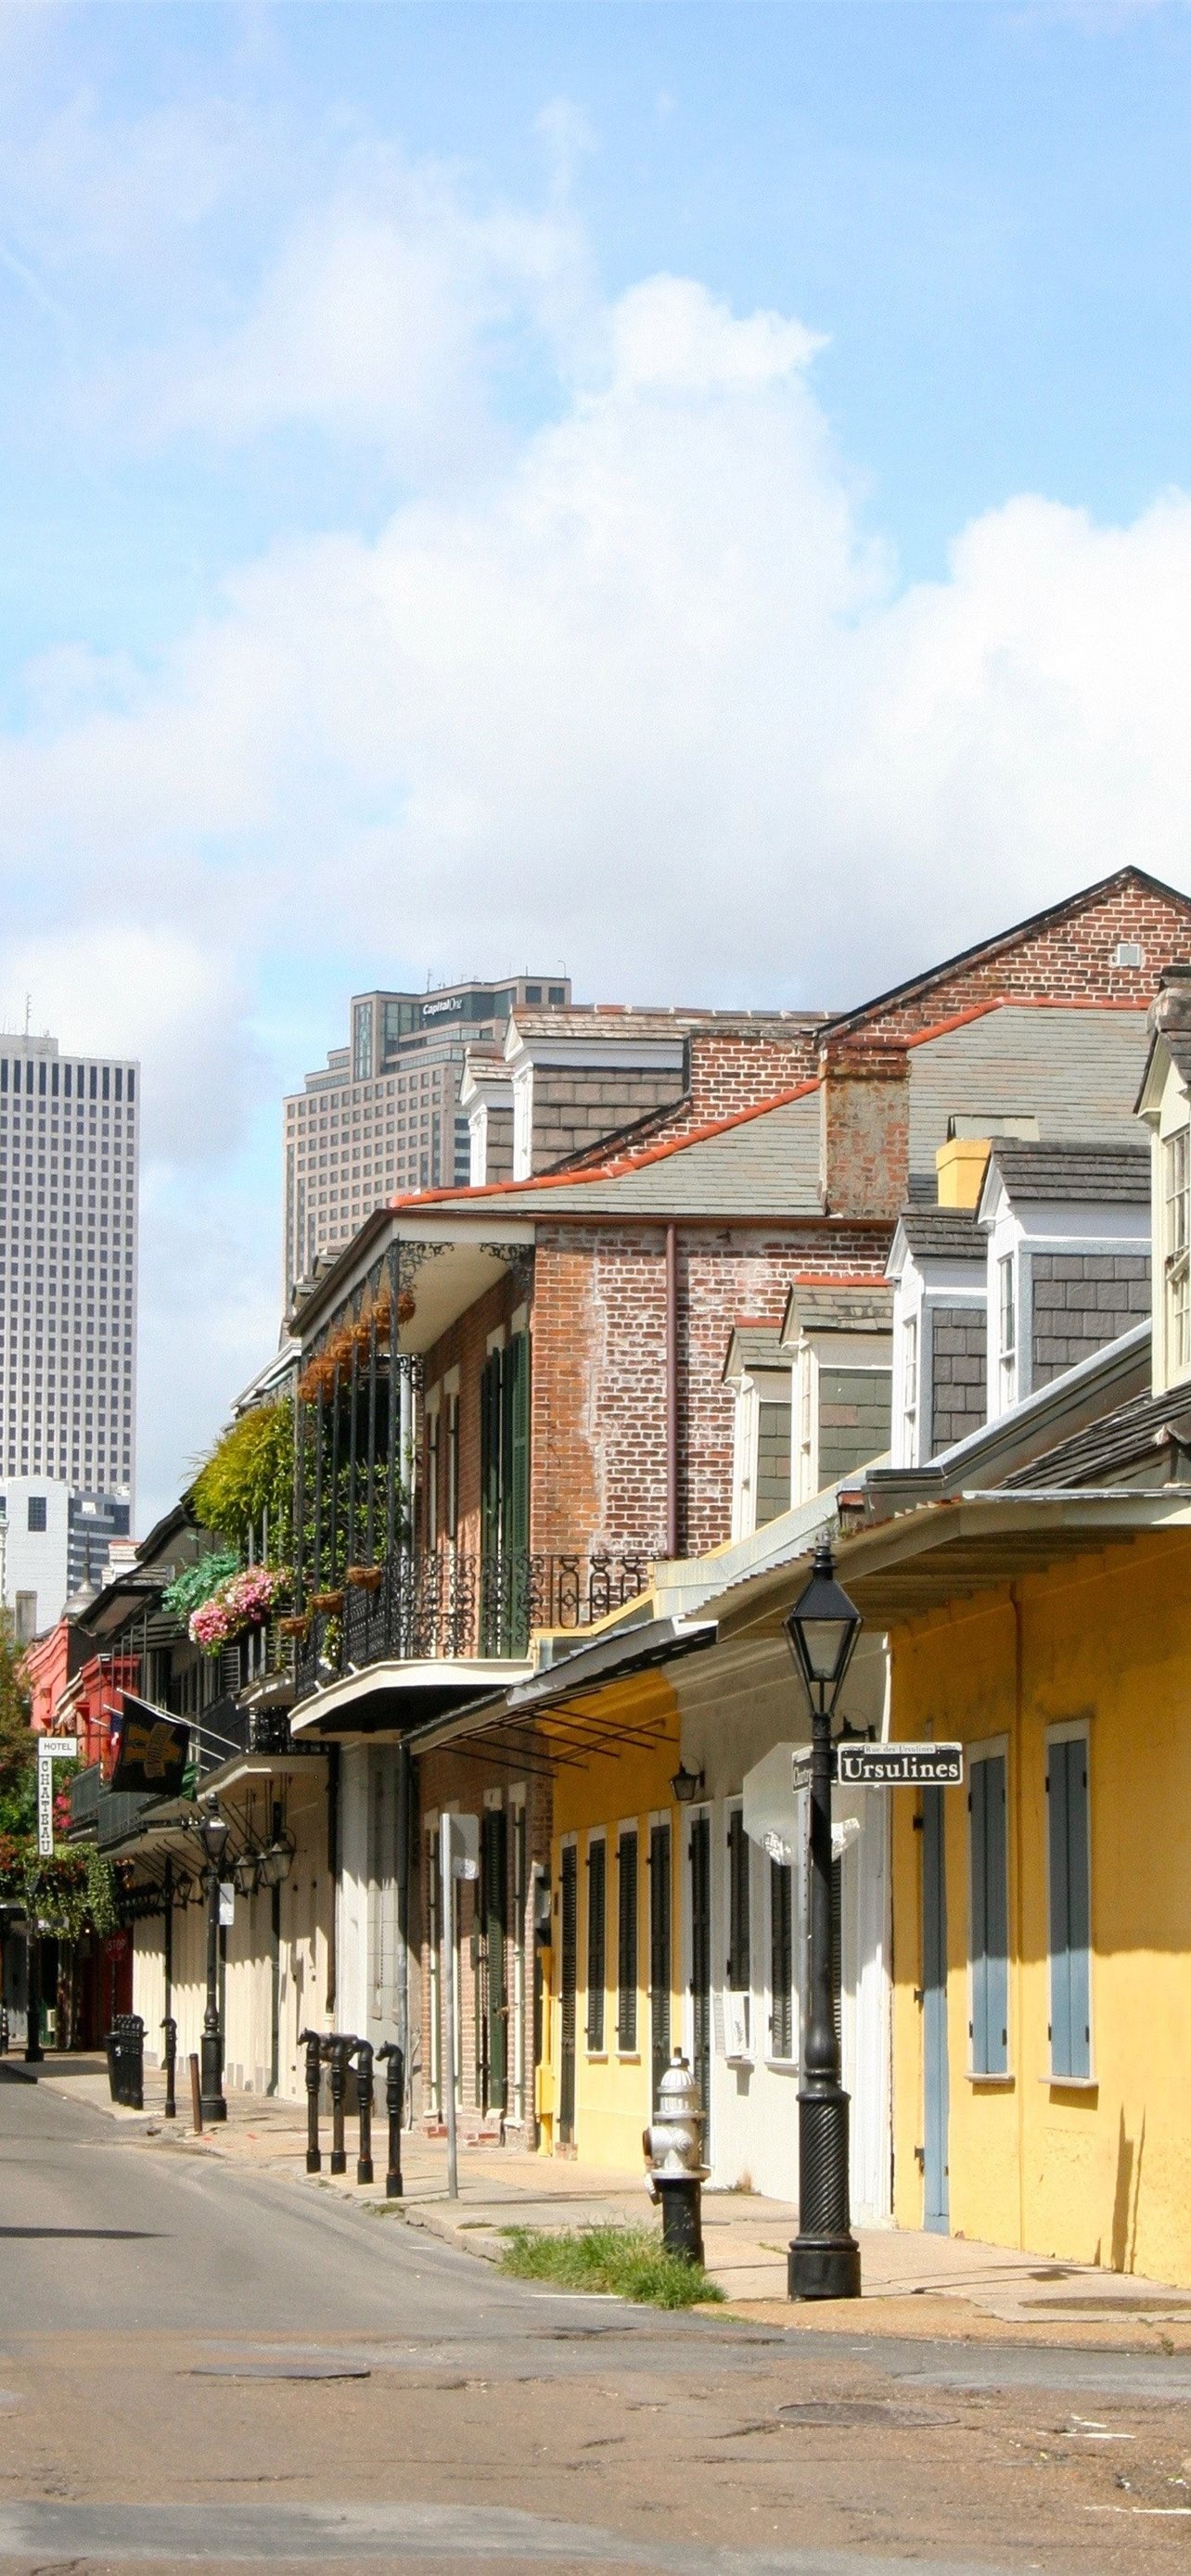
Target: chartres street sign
[50,1748]
[899,1766]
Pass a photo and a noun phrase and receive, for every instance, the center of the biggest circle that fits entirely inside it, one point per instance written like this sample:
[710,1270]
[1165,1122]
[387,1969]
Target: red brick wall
[1070,960]
[599,1358]
[864,1128]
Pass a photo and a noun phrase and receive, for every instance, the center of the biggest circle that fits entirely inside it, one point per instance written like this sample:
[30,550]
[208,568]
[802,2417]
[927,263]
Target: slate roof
[1077,1071]
[1090,1175]
[617,1021]
[763,1162]
[944,1234]
[1128,1437]
[840,1310]
[756,1346]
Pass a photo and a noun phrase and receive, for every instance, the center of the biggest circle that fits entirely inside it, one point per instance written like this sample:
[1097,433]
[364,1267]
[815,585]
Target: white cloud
[642,694]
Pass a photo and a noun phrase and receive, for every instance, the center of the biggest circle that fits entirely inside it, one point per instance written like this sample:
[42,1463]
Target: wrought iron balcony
[442,1605]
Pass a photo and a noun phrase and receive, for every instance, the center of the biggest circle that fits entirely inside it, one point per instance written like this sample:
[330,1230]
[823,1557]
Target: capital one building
[69,1160]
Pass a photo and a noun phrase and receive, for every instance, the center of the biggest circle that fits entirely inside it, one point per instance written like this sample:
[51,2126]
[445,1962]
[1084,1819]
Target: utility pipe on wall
[671,1391]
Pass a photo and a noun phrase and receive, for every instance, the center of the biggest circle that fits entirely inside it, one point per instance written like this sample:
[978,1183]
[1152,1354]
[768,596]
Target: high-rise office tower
[384,1113]
[69,1160]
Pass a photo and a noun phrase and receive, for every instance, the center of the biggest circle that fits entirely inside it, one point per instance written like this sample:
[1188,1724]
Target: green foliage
[188,1591]
[248,1474]
[18,1752]
[73,1893]
[628,2260]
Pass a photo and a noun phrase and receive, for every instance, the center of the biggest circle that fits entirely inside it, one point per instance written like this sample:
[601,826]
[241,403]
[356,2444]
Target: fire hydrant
[676,2174]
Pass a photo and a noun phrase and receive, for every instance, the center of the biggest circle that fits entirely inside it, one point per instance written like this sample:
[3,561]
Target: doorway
[700,1875]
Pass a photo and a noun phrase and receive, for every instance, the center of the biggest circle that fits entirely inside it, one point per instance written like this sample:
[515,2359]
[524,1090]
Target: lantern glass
[822,1630]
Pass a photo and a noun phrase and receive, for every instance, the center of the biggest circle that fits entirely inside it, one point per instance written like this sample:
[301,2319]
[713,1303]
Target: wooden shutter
[496,1879]
[490,1460]
[597,1920]
[568,1900]
[700,1868]
[1070,1980]
[659,1951]
[515,1444]
[989,2030]
[739,1963]
[781,1962]
[626,1873]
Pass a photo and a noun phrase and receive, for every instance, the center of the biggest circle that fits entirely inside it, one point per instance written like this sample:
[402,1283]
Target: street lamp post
[824,2258]
[214,1832]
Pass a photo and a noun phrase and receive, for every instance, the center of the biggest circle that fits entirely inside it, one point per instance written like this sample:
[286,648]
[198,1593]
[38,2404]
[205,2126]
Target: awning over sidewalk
[543,1722]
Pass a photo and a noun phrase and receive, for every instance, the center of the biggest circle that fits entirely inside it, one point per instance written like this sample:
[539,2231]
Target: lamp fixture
[686,1785]
[821,1631]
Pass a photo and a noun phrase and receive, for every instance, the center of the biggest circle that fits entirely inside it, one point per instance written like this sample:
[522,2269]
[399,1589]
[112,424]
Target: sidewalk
[913,2284]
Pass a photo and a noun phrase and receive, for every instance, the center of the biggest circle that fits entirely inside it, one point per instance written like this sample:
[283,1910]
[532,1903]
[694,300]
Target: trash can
[126,2060]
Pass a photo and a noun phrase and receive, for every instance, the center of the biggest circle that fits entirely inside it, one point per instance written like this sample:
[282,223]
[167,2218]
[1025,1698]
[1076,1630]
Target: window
[37,1511]
[781,1959]
[597,1941]
[910,1391]
[1177,1193]
[1070,1910]
[988,2029]
[1007,1293]
[626,1875]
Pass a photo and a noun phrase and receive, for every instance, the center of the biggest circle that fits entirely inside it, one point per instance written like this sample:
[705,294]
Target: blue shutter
[1070,1980]
[989,1929]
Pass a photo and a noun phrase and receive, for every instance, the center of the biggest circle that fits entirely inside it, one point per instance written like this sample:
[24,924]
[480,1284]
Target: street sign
[227,1904]
[899,1766]
[50,1749]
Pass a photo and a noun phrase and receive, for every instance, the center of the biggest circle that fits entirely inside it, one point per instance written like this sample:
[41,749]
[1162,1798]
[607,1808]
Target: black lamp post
[824,2259]
[214,1833]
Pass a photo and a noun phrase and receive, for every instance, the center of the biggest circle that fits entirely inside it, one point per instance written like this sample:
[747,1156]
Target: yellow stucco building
[1042,1913]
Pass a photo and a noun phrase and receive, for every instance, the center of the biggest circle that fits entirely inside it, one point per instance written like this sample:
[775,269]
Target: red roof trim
[616,1167]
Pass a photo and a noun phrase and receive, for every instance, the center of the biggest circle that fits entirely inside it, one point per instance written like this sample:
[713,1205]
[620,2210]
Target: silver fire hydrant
[676,2172]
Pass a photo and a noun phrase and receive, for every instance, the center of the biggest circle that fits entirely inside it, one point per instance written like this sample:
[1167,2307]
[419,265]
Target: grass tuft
[628,2260]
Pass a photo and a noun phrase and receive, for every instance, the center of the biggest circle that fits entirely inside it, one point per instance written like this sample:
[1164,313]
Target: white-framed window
[910,1390]
[1176,1177]
[1007,1314]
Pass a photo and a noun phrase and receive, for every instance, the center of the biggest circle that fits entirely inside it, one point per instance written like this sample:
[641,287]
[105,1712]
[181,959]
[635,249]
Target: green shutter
[597,1916]
[626,2018]
[515,1446]
[490,1461]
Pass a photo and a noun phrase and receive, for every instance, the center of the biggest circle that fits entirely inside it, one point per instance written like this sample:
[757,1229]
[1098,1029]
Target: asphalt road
[199,2365]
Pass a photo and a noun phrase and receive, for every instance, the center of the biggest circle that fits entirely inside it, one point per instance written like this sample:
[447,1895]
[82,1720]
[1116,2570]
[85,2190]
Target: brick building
[520,1386]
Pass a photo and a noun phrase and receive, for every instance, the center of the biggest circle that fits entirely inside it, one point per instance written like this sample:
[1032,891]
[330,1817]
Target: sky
[694,495]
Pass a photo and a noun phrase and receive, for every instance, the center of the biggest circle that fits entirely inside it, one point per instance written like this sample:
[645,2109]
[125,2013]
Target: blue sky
[483,485]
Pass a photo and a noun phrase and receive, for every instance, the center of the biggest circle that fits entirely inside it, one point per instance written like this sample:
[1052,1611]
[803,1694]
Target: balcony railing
[450,1607]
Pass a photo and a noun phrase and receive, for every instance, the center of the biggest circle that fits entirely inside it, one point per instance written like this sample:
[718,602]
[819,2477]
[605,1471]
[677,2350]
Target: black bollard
[170,2028]
[312,2043]
[364,2093]
[395,2106]
[339,2049]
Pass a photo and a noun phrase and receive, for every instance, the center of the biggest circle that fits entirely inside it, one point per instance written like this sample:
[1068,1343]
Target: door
[700,1867]
[936,2213]
[569,1944]
[496,1996]
[659,1954]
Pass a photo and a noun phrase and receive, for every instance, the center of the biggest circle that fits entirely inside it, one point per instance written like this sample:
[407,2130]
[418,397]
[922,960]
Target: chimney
[1171,1005]
[864,1128]
[960,1166]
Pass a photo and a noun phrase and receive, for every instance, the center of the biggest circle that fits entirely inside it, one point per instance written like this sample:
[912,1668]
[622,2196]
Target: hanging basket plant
[366,1578]
[328,1604]
[245,1602]
[296,1623]
[335,1358]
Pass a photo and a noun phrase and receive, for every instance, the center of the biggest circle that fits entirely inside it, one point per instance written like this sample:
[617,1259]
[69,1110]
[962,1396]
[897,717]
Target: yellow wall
[612,2092]
[1100,2174]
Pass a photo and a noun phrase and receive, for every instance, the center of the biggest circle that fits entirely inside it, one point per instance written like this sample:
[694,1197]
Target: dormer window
[1007,1296]
[1177,1251]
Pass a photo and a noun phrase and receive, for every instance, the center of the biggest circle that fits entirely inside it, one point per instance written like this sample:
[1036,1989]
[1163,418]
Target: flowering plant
[244,1601]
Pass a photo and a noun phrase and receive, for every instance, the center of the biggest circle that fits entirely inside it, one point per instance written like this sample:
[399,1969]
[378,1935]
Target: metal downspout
[671,1391]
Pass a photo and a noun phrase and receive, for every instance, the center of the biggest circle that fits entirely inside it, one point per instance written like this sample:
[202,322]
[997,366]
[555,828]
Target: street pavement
[210,2363]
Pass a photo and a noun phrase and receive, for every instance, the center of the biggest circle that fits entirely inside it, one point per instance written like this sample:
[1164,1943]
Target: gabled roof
[837,1306]
[1091,1175]
[942,1234]
[987,949]
[754,1346]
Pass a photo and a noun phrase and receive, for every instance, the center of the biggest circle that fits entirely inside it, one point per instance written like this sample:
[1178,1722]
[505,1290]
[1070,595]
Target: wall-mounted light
[686,1785]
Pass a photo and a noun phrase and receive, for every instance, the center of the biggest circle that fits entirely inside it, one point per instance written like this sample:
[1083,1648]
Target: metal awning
[396,1698]
[541,1724]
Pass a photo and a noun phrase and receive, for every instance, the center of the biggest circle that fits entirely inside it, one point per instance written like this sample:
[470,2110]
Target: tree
[18,1749]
